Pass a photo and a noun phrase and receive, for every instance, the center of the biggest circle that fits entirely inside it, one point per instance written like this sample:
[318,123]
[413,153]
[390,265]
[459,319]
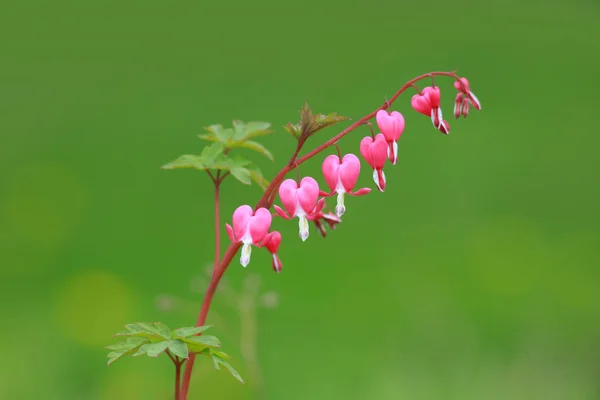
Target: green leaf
[246,131]
[218,360]
[178,348]
[324,121]
[189,331]
[152,349]
[129,346]
[255,146]
[237,167]
[209,158]
[293,129]
[153,331]
[198,344]
[156,329]
[257,176]
[186,161]
[219,133]
[311,123]
[211,153]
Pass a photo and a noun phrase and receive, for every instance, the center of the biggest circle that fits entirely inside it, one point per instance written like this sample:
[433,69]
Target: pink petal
[349,171]
[308,194]
[272,241]
[288,195]
[475,101]
[330,168]
[259,225]
[240,219]
[433,95]
[280,212]
[378,151]
[360,192]
[421,104]
[229,230]
[365,149]
[444,127]
[277,265]
[391,125]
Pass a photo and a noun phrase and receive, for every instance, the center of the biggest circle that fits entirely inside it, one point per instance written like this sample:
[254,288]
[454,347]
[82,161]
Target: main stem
[266,201]
[177,380]
[212,287]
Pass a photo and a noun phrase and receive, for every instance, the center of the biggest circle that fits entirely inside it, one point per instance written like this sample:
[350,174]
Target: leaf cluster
[154,339]
[216,156]
[311,123]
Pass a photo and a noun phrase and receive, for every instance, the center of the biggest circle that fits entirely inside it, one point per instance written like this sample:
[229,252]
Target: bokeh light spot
[92,306]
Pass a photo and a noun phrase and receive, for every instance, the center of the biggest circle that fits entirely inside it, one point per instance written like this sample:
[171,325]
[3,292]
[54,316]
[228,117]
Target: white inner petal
[340,209]
[246,251]
[303,225]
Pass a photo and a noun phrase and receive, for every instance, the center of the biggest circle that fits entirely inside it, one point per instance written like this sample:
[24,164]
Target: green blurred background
[475,276]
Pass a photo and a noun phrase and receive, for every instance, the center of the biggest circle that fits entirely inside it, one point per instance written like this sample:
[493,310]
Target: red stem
[267,201]
[177,380]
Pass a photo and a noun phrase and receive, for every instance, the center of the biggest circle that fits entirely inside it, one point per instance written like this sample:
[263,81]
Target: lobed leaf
[198,344]
[311,123]
[218,361]
[178,348]
[257,176]
[189,331]
[129,346]
[250,130]
[255,146]
[152,349]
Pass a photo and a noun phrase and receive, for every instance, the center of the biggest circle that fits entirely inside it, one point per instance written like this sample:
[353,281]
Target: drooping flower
[341,176]
[392,126]
[464,98]
[271,243]
[325,218]
[250,228]
[374,151]
[300,200]
[428,103]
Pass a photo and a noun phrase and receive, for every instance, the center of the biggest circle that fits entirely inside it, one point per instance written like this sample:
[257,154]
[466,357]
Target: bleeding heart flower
[428,103]
[462,85]
[300,200]
[341,176]
[330,219]
[392,126]
[271,243]
[374,151]
[249,227]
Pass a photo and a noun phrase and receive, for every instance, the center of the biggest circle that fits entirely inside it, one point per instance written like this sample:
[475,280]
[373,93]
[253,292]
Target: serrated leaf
[293,129]
[128,344]
[178,348]
[210,153]
[323,121]
[220,133]
[186,161]
[217,361]
[257,176]
[254,146]
[189,331]
[157,329]
[237,168]
[252,129]
[210,158]
[311,123]
[198,344]
[152,349]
